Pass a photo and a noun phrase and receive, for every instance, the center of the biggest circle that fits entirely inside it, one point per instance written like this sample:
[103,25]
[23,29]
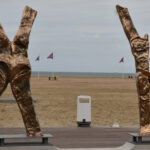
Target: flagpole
[51,57]
[123,71]
[53,66]
[123,74]
[39,71]
[39,67]
[122,61]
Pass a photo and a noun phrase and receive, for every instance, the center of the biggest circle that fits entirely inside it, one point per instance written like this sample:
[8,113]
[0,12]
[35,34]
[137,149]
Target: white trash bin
[83,111]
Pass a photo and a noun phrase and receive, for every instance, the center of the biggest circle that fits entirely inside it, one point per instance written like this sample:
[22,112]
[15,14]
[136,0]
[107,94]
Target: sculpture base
[44,138]
[137,138]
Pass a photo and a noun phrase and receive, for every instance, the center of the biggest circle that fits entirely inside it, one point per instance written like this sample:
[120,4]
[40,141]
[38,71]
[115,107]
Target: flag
[121,60]
[50,56]
[38,58]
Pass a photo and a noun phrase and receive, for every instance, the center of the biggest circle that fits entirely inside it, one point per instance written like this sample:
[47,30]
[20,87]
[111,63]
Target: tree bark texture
[15,69]
[140,51]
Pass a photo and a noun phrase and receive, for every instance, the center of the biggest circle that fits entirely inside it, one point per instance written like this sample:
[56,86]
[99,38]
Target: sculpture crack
[15,69]
[140,51]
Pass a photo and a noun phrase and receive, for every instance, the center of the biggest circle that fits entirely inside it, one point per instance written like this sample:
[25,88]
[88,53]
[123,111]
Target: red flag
[50,56]
[38,58]
[121,60]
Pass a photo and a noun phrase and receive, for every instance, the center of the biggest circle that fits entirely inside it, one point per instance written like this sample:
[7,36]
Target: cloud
[82,33]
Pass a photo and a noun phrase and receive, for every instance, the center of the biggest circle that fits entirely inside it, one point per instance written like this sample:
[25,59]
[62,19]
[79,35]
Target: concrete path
[141,147]
[97,137]
[73,138]
[29,148]
[126,146]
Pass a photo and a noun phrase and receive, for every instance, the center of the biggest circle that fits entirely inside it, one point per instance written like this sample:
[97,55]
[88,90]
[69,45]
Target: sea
[85,74]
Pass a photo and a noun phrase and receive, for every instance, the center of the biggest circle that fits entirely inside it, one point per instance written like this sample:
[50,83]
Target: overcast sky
[84,35]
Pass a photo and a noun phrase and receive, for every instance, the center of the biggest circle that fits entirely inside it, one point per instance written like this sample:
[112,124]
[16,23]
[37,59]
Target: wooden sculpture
[15,69]
[140,51]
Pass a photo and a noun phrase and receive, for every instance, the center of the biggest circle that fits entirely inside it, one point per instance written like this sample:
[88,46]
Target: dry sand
[113,100]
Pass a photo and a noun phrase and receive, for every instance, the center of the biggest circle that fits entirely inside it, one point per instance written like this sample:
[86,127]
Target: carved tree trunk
[21,72]
[140,51]
[15,68]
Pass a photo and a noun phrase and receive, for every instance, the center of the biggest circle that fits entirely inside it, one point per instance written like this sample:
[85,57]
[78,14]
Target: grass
[113,100]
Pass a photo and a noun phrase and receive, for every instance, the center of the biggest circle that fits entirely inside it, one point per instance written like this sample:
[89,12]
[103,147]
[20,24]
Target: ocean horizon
[85,74]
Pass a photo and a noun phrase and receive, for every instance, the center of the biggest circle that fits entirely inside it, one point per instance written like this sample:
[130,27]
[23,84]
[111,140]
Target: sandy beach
[113,100]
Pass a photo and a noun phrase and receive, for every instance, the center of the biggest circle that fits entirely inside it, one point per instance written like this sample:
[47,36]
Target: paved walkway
[73,138]
[89,137]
